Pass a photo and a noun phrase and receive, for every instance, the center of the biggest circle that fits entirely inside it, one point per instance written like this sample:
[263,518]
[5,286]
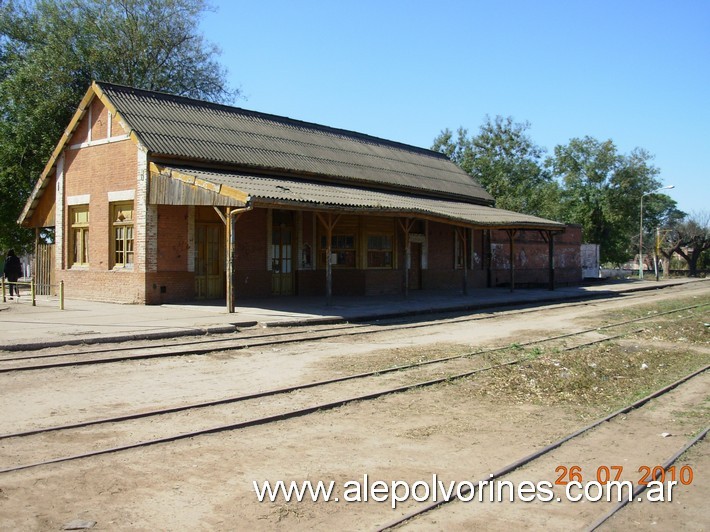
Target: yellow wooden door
[282,254]
[209,262]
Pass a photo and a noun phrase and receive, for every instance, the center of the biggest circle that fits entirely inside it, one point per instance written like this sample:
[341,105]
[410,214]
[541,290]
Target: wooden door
[45,281]
[209,262]
[282,253]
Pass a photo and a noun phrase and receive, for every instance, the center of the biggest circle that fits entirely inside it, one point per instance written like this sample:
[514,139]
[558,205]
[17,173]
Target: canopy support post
[406,226]
[230,222]
[461,234]
[329,224]
[511,241]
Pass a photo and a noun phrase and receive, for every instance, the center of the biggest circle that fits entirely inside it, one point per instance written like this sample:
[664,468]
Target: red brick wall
[251,241]
[97,170]
[111,286]
[172,238]
[169,287]
[531,258]
[252,278]
[384,282]
[310,282]
[441,247]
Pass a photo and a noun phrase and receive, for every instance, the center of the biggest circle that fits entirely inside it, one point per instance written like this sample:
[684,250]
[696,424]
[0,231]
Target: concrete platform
[24,327]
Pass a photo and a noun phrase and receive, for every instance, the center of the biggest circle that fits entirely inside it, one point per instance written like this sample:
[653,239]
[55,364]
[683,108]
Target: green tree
[51,50]
[601,191]
[505,160]
[689,238]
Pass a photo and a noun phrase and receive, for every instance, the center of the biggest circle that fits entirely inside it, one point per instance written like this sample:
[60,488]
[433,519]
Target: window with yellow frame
[79,235]
[122,231]
[379,251]
[342,248]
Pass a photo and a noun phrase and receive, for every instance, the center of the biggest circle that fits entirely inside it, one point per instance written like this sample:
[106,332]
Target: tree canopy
[586,182]
[51,50]
[602,190]
[689,238]
[505,160]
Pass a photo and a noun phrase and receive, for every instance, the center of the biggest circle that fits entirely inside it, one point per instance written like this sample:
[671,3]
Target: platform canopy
[182,185]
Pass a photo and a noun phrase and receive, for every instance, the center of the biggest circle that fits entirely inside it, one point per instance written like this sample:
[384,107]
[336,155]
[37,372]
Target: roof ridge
[294,141]
[275,118]
[349,164]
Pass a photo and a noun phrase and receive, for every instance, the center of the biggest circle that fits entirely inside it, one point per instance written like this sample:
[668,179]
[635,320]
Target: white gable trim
[122,195]
[82,199]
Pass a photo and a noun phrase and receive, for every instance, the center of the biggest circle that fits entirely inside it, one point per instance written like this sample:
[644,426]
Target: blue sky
[636,72]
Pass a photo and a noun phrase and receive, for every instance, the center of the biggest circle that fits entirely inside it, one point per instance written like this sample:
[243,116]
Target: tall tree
[505,160]
[51,50]
[689,238]
[602,191]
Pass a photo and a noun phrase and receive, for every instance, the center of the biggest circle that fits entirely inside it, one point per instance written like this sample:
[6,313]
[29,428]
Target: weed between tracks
[650,310]
[593,380]
[605,376]
[400,356]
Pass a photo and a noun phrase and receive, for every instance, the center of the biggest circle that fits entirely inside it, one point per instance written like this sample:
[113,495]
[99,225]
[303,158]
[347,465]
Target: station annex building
[156,198]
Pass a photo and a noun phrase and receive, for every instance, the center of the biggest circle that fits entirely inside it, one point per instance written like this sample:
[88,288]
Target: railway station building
[152,198]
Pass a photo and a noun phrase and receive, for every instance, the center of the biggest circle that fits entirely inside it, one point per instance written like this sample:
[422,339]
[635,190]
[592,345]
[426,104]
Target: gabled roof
[270,157]
[187,129]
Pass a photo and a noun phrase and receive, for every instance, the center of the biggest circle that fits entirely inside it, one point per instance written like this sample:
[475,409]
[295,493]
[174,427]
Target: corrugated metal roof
[280,190]
[183,128]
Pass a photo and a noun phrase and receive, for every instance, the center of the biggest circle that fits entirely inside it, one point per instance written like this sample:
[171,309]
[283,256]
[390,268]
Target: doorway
[282,253]
[209,261]
[415,268]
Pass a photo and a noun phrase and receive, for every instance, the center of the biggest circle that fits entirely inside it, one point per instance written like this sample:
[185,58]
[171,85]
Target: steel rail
[287,415]
[322,336]
[545,450]
[285,390]
[640,488]
[324,382]
[353,324]
[258,421]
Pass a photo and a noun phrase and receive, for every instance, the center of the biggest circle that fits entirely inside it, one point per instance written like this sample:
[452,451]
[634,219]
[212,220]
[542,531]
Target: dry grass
[650,310]
[399,356]
[594,379]
[685,328]
[603,376]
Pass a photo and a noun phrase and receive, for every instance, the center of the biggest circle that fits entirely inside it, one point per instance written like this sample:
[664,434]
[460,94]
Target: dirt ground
[461,430]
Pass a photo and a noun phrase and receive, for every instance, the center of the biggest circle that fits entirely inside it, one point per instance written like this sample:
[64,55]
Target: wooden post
[33,292]
[549,237]
[329,262]
[34,272]
[61,295]
[406,226]
[229,226]
[461,234]
[230,223]
[329,224]
[551,259]
[489,258]
[4,297]
[511,236]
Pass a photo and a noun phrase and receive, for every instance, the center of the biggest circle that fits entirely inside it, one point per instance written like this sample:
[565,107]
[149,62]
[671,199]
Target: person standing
[13,271]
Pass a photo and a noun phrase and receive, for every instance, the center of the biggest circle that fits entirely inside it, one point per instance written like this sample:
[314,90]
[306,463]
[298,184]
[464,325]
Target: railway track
[421,376]
[205,346]
[524,461]
[640,488]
